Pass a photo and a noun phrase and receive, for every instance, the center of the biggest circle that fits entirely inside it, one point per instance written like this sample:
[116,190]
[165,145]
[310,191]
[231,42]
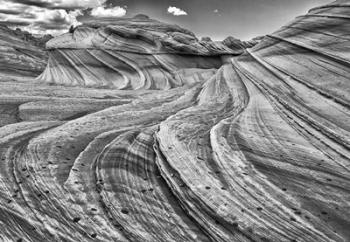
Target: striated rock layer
[257,149]
[21,55]
[130,54]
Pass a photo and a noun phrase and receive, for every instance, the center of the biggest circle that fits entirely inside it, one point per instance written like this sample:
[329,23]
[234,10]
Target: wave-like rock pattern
[20,59]
[254,150]
[132,54]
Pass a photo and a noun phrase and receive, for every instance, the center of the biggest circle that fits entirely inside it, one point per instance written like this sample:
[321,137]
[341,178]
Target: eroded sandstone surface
[133,53]
[21,54]
[138,131]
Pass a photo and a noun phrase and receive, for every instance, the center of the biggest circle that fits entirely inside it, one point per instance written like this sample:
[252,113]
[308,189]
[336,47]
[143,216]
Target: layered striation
[21,55]
[251,145]
[132,54]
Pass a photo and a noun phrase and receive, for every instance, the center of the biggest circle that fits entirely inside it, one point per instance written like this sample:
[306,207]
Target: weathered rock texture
[21,54]
[256,150]
[131,54]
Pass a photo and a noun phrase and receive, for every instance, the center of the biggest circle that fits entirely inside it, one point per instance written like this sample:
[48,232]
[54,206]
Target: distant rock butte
[206,144]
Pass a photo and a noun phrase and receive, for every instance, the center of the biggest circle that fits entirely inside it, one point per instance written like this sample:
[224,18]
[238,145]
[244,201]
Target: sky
[243,19]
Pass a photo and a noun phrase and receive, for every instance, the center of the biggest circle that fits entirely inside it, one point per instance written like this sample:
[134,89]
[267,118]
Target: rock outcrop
[257,149]
[234,43]
[36,40]
[21,54]
[130,54]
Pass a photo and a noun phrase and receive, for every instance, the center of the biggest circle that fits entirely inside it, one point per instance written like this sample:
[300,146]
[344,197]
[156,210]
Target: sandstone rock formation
[21,54]
[256,149]
[130,54]
[37,40]
[234,43]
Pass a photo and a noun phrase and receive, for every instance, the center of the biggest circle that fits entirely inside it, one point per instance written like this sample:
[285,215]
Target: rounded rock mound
[130,53]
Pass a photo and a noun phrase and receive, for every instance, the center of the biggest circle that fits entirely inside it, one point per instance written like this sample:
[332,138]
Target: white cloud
[52,16]
[53,21]
[82,4]
[5,5]
[216,11]
[176,11]
[108,12]
[59,16]
[39,20]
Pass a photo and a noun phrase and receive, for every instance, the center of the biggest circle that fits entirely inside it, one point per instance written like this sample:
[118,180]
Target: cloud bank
[176,11]
[52,16]
[108,12]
